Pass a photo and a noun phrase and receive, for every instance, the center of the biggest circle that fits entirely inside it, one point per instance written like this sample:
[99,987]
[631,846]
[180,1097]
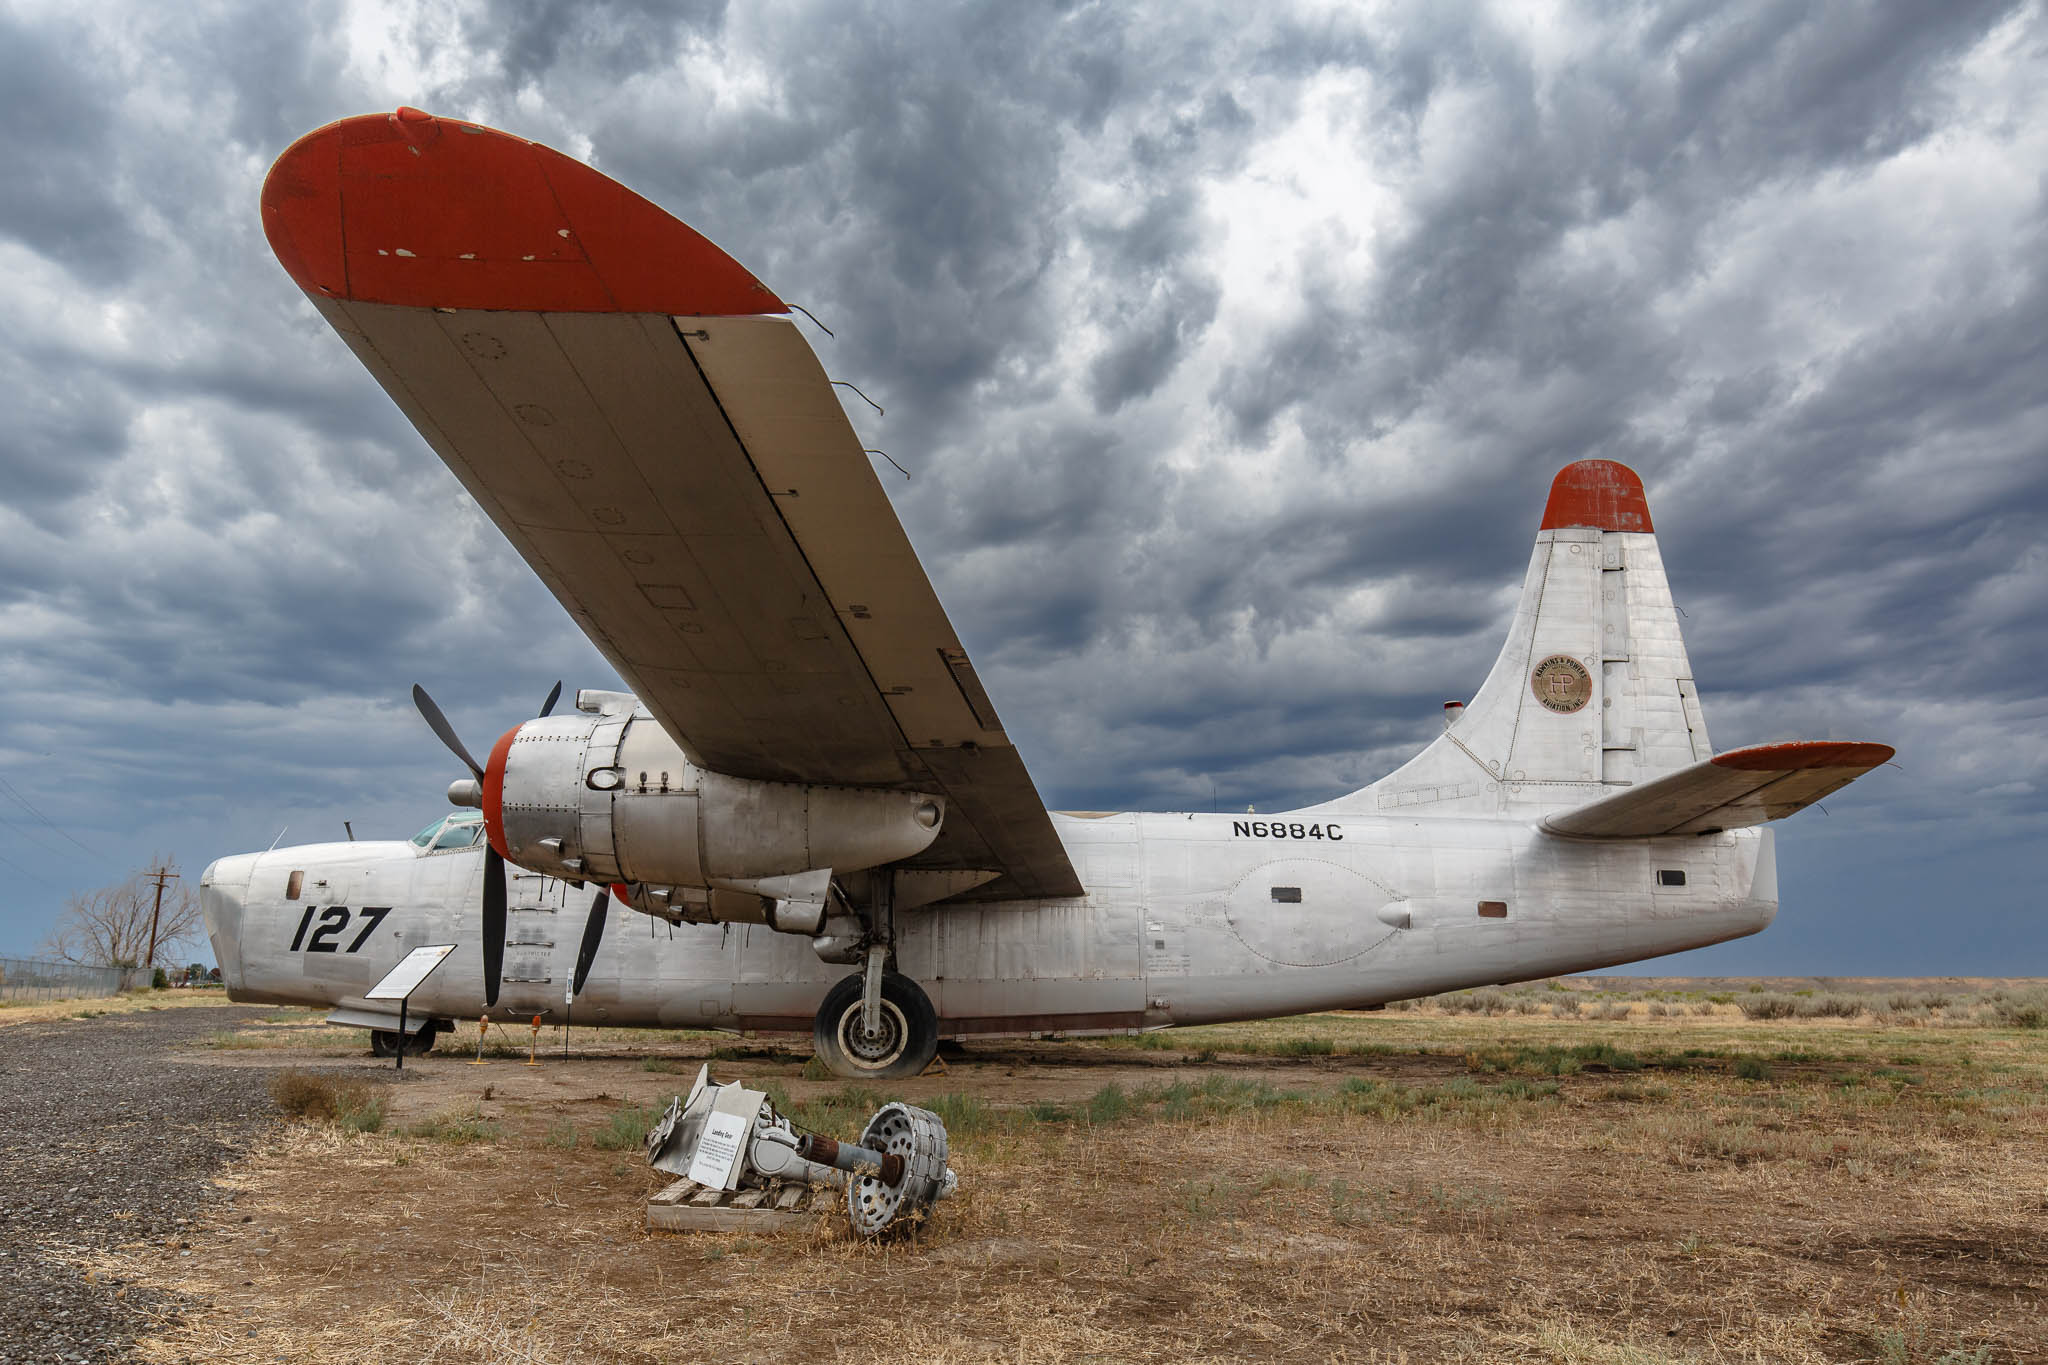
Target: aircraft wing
[1729,791]
[638,415]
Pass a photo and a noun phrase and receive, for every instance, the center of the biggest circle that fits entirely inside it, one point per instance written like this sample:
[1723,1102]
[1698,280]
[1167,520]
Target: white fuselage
[1189,918]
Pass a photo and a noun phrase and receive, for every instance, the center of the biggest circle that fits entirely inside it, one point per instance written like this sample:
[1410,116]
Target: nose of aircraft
[223,890]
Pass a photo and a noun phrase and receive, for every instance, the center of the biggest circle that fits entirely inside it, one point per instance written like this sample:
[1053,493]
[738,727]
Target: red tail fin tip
[1600,494]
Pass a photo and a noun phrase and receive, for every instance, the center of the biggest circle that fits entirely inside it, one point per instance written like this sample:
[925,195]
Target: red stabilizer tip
[1600,494]
[406,208]
[1806,753]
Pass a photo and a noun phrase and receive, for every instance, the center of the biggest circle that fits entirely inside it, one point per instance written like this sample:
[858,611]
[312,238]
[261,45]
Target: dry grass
[354,1105]
[12,1012]
[1431,1185]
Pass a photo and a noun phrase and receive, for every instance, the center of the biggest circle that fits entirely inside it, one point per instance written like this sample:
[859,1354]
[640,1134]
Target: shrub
[1752,1069]
[1108,1104]
[2023,1013]
[350,1104]
[1564,1009]
[1770,1007]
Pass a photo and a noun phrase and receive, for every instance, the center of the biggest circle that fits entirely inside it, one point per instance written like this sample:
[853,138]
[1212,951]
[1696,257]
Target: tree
[110,927]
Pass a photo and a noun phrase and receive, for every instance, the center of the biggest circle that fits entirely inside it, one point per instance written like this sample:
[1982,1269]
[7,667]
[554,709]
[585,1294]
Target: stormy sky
[1231,350]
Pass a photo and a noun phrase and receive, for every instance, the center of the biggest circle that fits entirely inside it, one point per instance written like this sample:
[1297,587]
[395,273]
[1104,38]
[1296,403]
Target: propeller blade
[494,923]
[445,732]
[549,705]
[593,933]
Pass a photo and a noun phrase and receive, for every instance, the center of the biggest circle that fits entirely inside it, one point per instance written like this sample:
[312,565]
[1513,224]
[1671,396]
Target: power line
[28,874]
[8,787]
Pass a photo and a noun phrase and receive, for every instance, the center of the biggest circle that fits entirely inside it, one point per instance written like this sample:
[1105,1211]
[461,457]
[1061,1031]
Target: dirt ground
[1381,1187]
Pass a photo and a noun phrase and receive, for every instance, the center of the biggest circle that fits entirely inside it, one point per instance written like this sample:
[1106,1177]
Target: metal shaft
[845,1156]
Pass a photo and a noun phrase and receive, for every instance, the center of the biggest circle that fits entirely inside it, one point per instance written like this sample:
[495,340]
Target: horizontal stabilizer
[1729,791]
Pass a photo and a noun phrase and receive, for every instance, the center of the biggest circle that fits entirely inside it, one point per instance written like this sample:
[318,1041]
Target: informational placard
[402,980]
[718,1151]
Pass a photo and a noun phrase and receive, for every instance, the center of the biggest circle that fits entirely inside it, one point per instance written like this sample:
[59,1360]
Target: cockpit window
[459,830]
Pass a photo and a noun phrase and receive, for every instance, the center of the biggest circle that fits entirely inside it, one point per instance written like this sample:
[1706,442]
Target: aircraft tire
[384,1042]
[910,1031]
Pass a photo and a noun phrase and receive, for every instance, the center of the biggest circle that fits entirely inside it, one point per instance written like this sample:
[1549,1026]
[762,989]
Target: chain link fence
[31,979]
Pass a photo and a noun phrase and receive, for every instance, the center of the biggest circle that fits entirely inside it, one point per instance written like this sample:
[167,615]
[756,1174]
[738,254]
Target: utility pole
[162,874]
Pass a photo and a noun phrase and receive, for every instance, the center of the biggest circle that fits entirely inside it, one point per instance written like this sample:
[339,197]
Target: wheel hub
[884,1047]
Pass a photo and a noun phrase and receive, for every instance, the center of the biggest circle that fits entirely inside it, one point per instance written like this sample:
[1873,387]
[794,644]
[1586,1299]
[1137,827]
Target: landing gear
[904,1043]
[384,1042]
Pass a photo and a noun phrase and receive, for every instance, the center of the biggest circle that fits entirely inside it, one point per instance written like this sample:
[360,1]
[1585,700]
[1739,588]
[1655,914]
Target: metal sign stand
[401,981]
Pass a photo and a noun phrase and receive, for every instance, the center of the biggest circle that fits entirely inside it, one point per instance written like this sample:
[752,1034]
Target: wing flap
[1729,791]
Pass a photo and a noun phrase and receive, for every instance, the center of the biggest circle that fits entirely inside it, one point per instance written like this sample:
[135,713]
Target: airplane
[808,796]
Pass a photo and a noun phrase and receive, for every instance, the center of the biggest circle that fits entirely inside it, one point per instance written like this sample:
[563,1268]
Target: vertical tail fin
[1592,691]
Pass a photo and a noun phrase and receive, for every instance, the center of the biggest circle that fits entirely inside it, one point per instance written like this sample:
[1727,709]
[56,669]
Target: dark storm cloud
[1231,354]
[58,113]
[530,39]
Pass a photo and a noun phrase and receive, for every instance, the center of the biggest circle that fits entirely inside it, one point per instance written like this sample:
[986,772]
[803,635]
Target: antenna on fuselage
[351,830]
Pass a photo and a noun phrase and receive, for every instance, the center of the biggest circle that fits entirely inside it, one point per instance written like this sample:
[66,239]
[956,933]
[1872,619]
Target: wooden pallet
[686,1206]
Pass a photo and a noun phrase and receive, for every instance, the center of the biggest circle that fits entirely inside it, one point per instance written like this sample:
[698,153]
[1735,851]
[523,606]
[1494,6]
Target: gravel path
[104,1141]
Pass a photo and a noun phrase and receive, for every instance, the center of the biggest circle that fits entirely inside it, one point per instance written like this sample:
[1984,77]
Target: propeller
[494,863]
[593,934]
[445,732]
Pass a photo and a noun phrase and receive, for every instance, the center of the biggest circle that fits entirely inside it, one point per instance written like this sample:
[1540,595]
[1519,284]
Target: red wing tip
[393,208]
[1597,493]
[1810,753]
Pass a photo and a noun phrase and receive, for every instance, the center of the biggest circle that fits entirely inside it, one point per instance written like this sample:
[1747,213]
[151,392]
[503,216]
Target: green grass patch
[626,1129]
[1304,1047]
[460,1127]
[1535,1060]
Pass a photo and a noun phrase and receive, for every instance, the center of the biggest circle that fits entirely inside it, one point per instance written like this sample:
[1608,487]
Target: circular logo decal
[1562,684]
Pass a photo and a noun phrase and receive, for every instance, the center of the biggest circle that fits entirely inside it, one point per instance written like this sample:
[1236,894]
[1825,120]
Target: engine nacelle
[611,797]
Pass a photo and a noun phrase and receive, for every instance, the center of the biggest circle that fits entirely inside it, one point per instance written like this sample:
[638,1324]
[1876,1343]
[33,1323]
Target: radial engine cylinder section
[592,798]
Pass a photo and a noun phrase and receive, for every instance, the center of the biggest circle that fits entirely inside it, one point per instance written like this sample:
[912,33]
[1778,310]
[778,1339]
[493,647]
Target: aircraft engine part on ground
[727,1137]
[917,1139]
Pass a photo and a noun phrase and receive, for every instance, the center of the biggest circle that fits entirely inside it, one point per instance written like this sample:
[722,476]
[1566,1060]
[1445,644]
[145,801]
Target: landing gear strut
[899,1041]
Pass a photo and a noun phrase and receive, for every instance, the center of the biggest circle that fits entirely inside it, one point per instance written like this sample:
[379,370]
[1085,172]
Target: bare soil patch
[1434,1186]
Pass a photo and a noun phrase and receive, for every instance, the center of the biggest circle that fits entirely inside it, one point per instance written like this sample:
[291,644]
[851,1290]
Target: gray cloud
[1232,355]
